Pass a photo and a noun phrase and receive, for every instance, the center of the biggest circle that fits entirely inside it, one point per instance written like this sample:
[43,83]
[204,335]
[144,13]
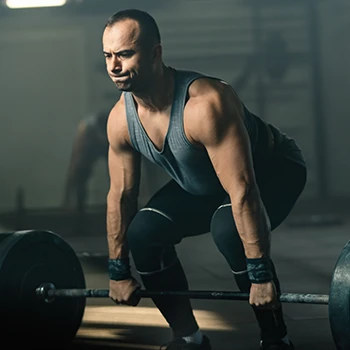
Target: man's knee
[223,227]
[150,238]
[148,228]
[227,238]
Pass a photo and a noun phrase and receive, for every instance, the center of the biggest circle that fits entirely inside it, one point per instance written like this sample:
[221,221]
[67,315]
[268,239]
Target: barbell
[43,292]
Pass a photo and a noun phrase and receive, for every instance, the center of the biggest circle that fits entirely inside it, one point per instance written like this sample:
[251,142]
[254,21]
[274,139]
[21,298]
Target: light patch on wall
[17,4]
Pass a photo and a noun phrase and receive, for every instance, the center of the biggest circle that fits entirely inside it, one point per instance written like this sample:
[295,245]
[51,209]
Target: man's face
[129,65]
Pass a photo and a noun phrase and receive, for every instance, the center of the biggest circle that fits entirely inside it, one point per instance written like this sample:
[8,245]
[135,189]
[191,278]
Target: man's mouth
[120,78]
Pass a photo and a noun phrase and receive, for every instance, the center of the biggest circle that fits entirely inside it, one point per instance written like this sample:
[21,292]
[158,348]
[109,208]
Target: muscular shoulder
[212,104]
[207,86]
[117,128]
[207,94]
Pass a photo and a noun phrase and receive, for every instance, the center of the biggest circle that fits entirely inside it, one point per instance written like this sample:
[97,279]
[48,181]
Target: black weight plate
[4,235]
[28,259]
[339,301]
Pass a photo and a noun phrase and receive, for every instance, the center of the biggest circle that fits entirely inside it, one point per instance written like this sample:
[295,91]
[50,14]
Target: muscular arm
[223,134]
[124,170]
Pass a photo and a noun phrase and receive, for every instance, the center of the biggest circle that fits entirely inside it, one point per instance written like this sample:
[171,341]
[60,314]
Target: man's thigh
[190,214]
[281,183]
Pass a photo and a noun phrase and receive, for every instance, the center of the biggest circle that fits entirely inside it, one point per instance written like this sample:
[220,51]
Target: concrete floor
[304,256]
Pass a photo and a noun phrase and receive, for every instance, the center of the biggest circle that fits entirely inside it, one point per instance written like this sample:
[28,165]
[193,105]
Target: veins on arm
[221,131]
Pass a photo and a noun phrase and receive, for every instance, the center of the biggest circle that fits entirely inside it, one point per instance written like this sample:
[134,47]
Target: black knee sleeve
[227,239]
[151,238]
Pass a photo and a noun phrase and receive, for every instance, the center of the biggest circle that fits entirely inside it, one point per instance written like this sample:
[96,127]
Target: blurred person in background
[90,144]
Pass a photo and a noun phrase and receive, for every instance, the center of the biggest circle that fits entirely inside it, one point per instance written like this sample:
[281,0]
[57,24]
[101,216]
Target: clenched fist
[264,296]
[123,292]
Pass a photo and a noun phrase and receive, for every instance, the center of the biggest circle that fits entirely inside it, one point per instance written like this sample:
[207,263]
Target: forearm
[252,223]
[120,211]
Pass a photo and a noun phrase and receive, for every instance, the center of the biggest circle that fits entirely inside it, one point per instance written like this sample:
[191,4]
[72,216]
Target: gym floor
[304,256]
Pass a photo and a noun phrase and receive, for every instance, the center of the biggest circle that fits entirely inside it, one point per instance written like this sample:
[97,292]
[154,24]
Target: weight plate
[27,259]
[339,300]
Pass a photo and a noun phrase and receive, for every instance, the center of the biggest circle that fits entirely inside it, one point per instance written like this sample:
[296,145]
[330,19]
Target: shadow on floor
[309,338]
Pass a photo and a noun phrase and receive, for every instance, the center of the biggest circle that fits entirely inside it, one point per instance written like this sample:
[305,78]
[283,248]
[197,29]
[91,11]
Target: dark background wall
[287,60]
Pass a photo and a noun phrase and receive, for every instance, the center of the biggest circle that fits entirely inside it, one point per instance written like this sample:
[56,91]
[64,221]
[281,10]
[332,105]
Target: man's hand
[264,296]
[123,292]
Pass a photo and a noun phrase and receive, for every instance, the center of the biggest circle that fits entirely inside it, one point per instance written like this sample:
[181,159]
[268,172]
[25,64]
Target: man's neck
[160,93]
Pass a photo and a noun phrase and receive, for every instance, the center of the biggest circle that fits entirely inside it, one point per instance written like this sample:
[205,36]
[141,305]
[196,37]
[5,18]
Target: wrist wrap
[119,269]
[259,270]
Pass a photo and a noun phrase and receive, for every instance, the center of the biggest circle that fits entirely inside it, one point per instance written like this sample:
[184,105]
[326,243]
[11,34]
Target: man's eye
[125,54]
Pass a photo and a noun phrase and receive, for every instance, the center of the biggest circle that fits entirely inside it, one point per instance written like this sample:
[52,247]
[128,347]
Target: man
[232,174]
[90,144]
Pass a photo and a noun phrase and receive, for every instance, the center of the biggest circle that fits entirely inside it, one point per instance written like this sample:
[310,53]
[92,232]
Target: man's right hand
[123,292]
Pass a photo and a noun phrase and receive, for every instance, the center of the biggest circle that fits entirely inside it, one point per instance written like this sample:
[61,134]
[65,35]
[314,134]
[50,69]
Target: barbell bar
[48,292]
[43,292]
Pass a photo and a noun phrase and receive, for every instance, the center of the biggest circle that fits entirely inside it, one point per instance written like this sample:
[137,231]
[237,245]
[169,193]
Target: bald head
[123,34]
[140,27]
[132,50]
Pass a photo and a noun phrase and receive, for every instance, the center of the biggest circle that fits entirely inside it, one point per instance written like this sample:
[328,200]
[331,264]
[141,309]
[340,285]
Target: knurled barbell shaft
[193,294]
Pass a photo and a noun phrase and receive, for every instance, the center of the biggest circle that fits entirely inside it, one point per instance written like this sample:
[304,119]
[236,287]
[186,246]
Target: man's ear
[157,52]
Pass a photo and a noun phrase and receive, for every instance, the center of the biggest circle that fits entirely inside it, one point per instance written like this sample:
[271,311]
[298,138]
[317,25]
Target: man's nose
[115,66]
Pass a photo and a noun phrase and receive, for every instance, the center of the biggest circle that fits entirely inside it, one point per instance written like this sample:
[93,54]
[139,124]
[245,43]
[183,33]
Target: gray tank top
[188,165]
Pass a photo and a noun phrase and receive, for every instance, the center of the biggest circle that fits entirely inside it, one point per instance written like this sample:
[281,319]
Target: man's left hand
[264,296]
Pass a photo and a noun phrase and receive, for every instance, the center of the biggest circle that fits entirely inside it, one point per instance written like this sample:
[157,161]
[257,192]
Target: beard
[136,81]
[124,86]
[135,85]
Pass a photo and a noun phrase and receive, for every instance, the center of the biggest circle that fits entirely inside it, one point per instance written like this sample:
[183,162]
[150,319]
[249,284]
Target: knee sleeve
[151,237]
[227,239]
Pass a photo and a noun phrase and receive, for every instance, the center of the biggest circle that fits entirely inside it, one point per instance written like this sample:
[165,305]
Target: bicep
[124,162]
[124,170]
[226,140]
[231,158]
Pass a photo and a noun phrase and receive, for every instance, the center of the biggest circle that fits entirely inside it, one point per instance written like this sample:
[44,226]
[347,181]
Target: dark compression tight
[173,214]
